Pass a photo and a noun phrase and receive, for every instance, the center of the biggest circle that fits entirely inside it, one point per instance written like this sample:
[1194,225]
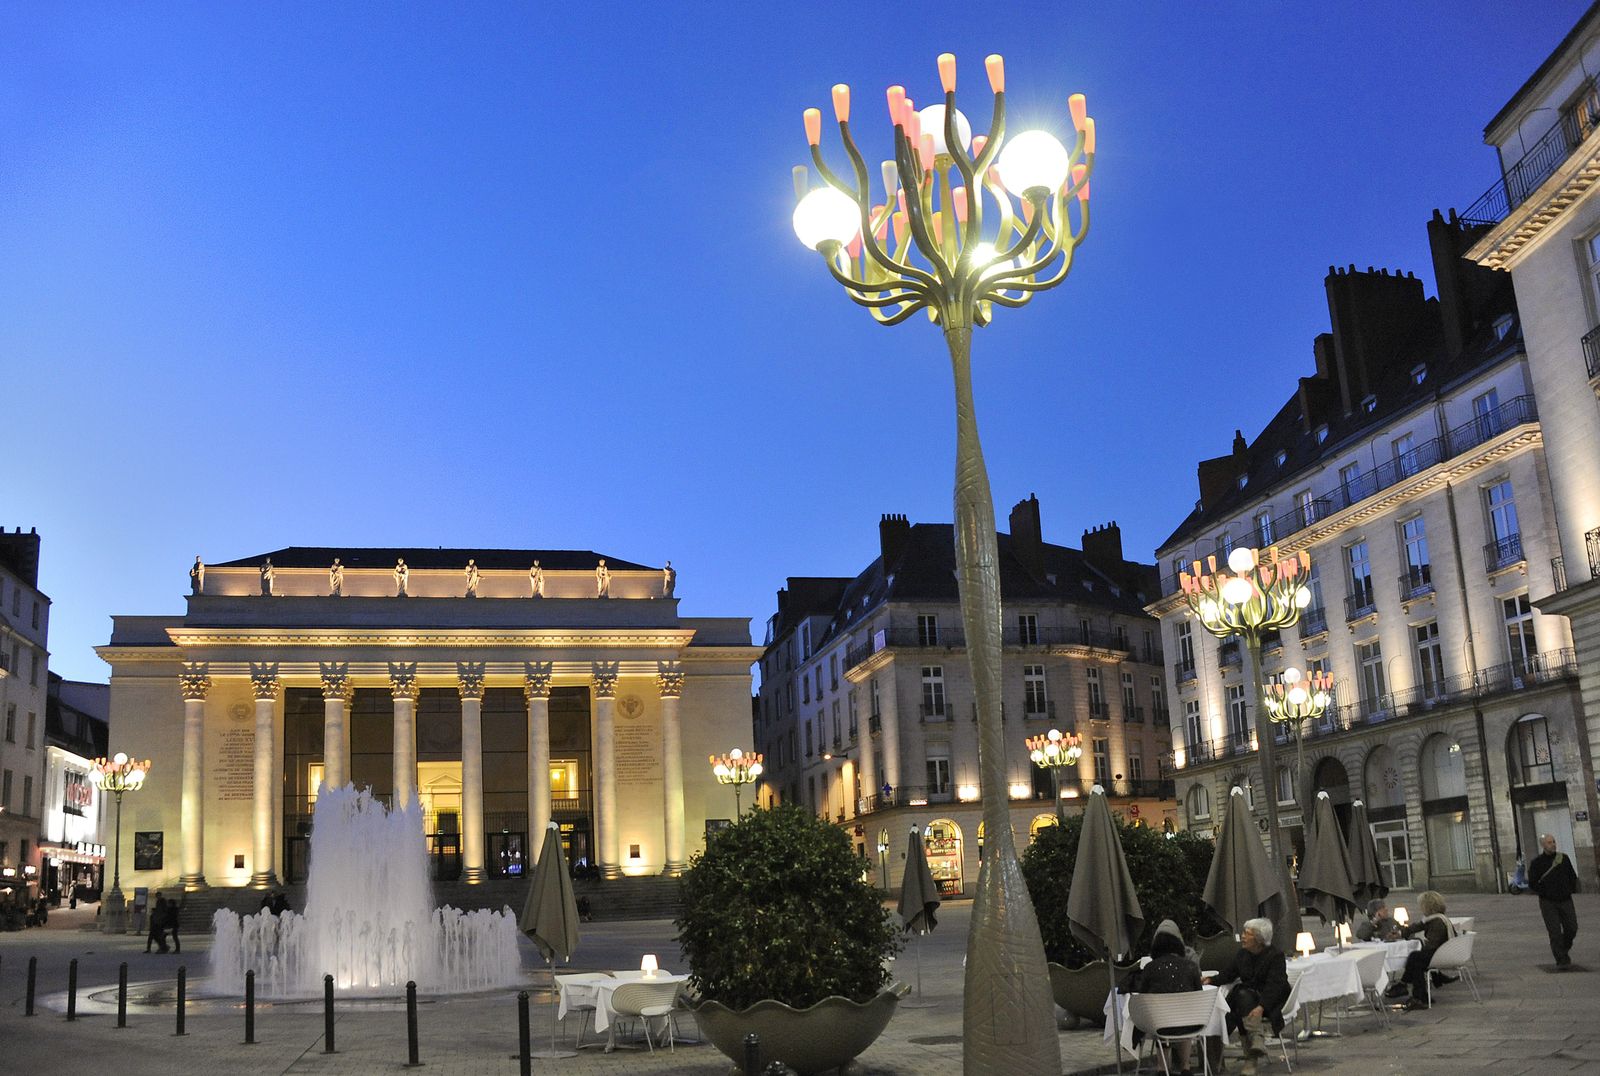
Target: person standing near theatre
[1551,876]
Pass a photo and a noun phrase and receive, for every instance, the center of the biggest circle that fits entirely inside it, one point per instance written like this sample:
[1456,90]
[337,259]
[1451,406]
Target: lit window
[1244,480]
[1419,373]
[1370,404]
[1322,433]
[1281,457]
[1502,326]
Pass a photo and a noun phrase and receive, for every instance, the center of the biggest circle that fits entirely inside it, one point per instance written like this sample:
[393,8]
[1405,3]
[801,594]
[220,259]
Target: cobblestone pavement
[1531,1019]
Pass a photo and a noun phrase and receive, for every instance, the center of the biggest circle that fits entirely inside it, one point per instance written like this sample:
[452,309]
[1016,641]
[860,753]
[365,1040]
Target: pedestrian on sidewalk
[158,925]
[1551,876]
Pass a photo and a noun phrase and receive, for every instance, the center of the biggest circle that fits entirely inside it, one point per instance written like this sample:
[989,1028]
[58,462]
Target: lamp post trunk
[114,905]
[1009,1014]
[1288,923]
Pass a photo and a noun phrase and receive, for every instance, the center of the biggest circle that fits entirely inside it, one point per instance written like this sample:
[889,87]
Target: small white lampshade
[1304,942]
[648,965]
[1401,917]
[825,215]
[1034,159]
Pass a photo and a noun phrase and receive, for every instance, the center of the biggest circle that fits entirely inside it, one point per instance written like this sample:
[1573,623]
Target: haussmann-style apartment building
[1411,465]
[866,711]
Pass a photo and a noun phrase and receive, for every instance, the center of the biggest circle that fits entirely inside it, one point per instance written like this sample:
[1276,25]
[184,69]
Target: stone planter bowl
[825,1036]
[1082,991]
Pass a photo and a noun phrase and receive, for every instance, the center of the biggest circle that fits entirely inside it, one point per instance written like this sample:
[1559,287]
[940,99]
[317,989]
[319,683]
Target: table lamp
[1304,943]
[648,966]
[1401,917]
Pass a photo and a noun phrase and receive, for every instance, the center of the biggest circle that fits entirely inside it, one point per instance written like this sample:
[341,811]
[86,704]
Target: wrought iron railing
[1361,603]
[1416,582]
[1184,671]
[1503,552]
[1591,351]
[1536,165]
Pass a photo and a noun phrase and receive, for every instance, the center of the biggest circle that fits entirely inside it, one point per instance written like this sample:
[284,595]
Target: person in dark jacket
[1552,877]
[174,908]
[158,925]
[1262,977]
[1436,929]
[1170,971]
[1379,924]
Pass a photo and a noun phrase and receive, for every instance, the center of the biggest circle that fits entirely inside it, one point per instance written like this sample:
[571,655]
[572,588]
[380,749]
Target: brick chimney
[1102,547]
[894,532]
[1027,536]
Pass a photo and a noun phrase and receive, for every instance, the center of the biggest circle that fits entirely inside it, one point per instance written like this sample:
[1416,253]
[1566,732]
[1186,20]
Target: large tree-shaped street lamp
[1293,699]
[117,775]
[945,261]
[1255,593]
[736,769]
[1057,753]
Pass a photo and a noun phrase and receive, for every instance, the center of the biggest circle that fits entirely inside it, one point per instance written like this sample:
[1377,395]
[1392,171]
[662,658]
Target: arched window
[1330,777]
[1040,821]
[1199,804]
[1528,752]
[1443,774]
[942,839]
[1285,785]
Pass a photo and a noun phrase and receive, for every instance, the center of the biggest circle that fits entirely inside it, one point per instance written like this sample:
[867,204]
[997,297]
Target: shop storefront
[942,840]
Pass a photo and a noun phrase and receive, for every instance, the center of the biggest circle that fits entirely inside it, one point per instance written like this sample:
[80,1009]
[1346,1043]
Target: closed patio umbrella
[1102,908]
[919,895]
[1366,877]
[1325,874]
[1241,884]
[550,916]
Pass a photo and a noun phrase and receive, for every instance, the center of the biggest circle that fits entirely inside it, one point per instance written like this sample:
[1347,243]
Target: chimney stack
[894,532]
[1027,536]
[1102,547]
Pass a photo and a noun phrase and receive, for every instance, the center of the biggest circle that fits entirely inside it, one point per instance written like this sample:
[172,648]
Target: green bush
[775,907]
[1168,874]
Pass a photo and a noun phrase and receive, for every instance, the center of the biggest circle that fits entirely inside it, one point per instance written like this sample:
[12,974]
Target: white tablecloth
[575,990]
[1217,1025]
[1323,977]
[1395,952]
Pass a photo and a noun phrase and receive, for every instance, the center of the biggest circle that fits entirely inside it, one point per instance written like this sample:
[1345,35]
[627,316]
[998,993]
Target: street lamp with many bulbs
[737,769]
[1057,753]
[117,775]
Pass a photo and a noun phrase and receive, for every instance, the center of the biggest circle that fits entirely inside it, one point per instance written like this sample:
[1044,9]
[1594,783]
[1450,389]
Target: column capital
[335,679]
[469,679]
[403,680]
[194,679]
[264,679]
[669,679]
[605,679]
[536,679]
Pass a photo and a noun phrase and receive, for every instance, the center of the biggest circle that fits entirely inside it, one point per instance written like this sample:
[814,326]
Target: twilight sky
[523,275]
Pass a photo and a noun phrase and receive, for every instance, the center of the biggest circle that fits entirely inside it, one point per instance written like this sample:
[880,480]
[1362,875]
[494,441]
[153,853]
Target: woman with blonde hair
[1436,929]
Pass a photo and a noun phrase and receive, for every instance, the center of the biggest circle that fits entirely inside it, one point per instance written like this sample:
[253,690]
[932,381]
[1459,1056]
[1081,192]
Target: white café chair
[1291,1009]
[585,1012]
[1454,955]
[1170,1018]
[648,1001]
[1370,966]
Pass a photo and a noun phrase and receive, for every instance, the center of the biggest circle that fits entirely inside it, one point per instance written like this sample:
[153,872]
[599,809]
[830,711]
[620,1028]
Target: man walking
[1551,876]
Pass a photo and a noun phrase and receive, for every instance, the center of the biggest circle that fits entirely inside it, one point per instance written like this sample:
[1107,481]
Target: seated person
[1436,929]
[1262,976]
[1170,971]
[1379,924]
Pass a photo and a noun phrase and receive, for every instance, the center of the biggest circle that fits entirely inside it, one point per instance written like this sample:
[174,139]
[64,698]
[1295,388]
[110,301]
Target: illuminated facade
[24,682]
[72,842]
[502,689]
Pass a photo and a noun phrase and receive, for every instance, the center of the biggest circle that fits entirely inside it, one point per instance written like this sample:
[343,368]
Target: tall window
[1419,570]
[833,671]
[876,700]
[1238,718]
[1519,633]
[1369,662]
[1135,763]
[1033,698]
[1193,732]
[1360,570]
[33,725]
[27,795]
[805,688]
[1444,806]
[1350,481]
[1405,455]
[1285,785]
[5,791]
[1502,512]
[1430,659]
[1102,759]
[1305,508]
[927,630]
[1199,803]
[838,738]
[1185,646]
[1485,413]
[938,771]
[852,698]
[809,751]
[1097,700]
[1264,529]
[1028,629]
[1130,702]
[1158,702]
[11,723]
[1224,545]
[1315,610]
[805,641]
[933,691]
[1532,762]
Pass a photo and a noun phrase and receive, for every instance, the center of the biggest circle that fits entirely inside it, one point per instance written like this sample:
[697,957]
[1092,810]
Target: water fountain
[369,919]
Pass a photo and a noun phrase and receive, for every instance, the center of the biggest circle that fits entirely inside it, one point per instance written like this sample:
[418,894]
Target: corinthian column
[470,683]
[335,741]
[605,767]
[536,686]
[194,682]
[669,680]
[264,684]
[403,685]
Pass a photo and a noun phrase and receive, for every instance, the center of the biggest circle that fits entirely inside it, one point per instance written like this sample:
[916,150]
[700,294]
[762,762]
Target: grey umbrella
[919,895]
[1325,873]
[550,916]
[1102,908]
[1366,877]
[1241,884]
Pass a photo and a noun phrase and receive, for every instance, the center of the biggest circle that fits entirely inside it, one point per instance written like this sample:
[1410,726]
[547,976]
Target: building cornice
[191,638]
[1513,239]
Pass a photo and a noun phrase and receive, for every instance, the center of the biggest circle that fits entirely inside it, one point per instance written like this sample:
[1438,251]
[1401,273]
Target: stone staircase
[645,897]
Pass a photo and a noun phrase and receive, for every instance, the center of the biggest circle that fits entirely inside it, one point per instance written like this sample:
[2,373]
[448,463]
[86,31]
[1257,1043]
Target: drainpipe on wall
[1477,710]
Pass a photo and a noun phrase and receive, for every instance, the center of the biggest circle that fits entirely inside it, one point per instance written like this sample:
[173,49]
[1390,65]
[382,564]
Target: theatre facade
[498,689]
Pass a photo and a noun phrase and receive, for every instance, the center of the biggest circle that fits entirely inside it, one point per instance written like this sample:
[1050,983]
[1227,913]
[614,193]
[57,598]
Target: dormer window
[1243,480]
[1502,326]
[1281,458]
[1419,373]
[1322,433]
[1370,404]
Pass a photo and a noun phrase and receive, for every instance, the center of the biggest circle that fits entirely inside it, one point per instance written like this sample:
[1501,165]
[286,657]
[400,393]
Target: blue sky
[517,275]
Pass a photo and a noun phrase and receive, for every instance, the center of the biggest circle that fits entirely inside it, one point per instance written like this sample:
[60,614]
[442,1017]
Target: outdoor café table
[1217,1025]
[604,1016]
[1395,953]
[1323,977]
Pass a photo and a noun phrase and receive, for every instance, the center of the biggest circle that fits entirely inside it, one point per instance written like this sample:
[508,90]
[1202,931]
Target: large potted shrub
[1169,871]
[785,939]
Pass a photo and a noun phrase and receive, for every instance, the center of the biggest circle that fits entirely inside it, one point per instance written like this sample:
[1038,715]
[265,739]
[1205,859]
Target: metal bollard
[327,1014]
[183,997]
[752,1054]
[72,989]
[524,1036]
[122,994]
[249,1008]
[33,978]
[411,1026]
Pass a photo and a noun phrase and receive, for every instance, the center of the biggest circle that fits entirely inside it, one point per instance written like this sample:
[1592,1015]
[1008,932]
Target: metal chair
[1291,1009]
[1370,966]
[648,1001]
[1170,1018]
[585,1012]
[1454,955]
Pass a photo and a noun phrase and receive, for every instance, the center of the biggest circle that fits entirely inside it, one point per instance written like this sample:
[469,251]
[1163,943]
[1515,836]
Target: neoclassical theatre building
[502,689]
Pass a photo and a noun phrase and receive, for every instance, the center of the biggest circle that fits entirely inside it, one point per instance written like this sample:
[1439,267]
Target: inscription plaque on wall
[233,773]
[638,746]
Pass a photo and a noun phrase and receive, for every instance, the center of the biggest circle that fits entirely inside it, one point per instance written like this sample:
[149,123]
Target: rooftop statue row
[402,578]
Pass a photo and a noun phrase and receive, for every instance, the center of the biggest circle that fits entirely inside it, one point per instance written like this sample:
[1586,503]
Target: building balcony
[1099,710]
[1039,710]
[1161,716]
[1360,604]
[1133,714]
[1184,671]
[1538,164]
[935,711]
[1314,621]
[875,723]
[1231,656]
[1591,352]
[1416,583]
[1503,553]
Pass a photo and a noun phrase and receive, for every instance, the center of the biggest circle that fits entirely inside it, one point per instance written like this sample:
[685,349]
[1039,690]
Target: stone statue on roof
[669,580]
[473,577]
[602,580]
[401,575]
[197,576]
[336,579]
[536,580]
[266,578]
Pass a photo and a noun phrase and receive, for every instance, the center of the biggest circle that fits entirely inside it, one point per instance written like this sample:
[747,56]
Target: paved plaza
[1531,1019]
